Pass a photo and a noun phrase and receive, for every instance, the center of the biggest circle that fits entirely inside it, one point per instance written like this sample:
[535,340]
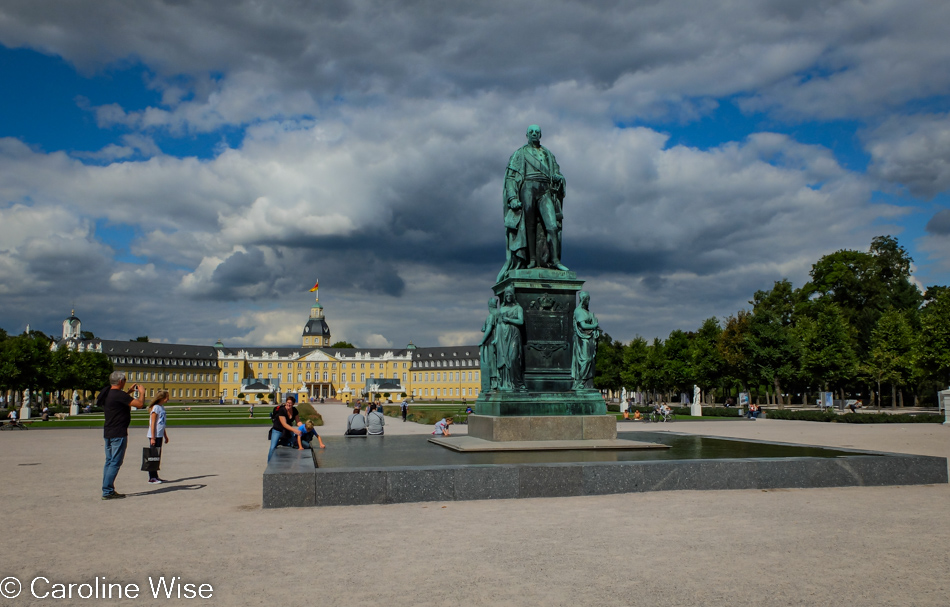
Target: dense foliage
[26,361]
[859,328]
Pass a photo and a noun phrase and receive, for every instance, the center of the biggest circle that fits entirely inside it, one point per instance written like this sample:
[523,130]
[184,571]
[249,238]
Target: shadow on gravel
[168,490]
[188,478]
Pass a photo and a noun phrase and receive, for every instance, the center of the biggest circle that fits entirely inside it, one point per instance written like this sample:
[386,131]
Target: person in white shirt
[442,427]
[157,433]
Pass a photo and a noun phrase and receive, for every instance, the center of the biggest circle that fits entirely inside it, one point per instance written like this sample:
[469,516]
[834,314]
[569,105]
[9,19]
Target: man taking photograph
[117,406]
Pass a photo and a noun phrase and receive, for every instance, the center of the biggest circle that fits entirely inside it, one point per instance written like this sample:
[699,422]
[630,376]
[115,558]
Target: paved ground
[852,546]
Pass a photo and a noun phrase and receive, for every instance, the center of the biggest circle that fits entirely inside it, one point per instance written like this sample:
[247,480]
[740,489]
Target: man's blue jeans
[115,455]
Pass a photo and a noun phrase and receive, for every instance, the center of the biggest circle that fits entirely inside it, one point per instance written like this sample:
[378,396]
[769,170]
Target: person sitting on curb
[375,420]
[355,423]
[442,427]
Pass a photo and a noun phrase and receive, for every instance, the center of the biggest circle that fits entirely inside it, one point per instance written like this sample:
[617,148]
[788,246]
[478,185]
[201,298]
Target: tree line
[859,328]
[26,362]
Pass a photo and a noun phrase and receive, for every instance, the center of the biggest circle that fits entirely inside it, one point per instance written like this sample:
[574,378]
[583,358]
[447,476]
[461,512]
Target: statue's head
[584,296]
[492,303]
[533,134]
[510,294]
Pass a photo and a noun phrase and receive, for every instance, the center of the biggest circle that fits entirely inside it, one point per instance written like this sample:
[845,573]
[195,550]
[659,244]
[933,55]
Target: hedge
[707,411]
[856,418]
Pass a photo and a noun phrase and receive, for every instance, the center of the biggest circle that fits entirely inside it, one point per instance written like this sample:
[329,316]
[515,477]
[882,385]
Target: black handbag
[151,459]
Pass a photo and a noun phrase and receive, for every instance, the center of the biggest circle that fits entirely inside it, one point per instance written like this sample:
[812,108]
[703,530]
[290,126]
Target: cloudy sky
[187,170]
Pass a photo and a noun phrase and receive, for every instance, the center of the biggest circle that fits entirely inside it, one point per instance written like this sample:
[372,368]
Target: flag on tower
[315,286]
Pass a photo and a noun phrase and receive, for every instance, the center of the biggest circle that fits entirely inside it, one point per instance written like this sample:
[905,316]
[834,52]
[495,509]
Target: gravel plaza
[844,546]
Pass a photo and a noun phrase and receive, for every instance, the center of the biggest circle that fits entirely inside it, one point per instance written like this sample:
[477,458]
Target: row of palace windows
[426,377]
[444,392]
[237,364]
[447,363]
[186,392]
[171,362]
[180,377]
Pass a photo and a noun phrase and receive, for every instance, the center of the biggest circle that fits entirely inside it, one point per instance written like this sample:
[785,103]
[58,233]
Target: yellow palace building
[313,371]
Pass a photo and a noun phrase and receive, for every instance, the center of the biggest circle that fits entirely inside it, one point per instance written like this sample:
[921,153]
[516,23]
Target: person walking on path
[157,434]
[117,405]
[405,409]
[355,423]
[286,419]
[375,420]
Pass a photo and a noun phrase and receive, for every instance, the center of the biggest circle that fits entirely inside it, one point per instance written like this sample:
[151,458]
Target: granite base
[543,427]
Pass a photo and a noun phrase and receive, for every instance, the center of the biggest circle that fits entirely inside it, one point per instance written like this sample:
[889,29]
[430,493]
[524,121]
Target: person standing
[405,409]
[117,405]
[157,435]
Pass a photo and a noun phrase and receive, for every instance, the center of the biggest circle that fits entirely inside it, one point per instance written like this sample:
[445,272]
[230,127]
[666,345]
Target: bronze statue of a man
[533,202]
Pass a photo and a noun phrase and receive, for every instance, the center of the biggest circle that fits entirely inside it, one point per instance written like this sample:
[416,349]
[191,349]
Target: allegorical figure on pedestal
[533,203]
[486,349]
[508,343]
[586,332]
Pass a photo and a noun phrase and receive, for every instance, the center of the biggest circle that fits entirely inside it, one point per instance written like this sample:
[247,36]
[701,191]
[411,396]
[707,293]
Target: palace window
[308,375]
[362,377]
[353,377]
[225,376]
[325,376]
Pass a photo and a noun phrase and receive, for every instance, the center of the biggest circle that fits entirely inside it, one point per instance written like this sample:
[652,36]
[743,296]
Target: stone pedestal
[74,409]
[542,427]
[548,298]
[25,412]
[547,409]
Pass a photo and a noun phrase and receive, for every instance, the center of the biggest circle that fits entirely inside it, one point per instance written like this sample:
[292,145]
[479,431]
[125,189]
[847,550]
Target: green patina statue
[486,349]
[533,202]
[586,332]
[508,343]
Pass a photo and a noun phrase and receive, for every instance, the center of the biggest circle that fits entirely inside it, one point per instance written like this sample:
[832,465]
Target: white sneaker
[155,481]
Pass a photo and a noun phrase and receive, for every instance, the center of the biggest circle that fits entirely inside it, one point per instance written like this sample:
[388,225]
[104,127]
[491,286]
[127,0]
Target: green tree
[92,370]
[654,373]
[828,355]
[733,347]
[890,359]
[342,344]
[772,347]
[932,347]
[608,364]
[142,338]
[706,361]
[678,360]
[865,285]
[635,356]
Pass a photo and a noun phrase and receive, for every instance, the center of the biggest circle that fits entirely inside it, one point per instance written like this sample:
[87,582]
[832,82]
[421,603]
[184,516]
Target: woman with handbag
[157,433]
